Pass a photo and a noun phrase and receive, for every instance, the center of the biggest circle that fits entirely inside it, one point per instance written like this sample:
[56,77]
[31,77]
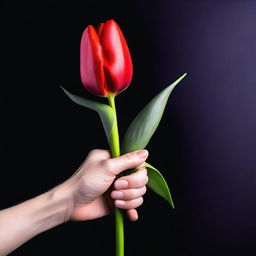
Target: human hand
[90,190]
[87,194]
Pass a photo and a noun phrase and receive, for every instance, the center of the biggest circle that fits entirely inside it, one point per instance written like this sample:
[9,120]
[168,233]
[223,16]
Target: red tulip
[105,61]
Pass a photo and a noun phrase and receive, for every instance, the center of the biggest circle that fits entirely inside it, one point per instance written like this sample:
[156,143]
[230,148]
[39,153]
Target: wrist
[61,197]
[51,209]
[21,222]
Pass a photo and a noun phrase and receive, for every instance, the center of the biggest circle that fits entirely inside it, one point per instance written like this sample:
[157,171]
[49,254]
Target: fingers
[132,214]
[131,204]
[128,192]
[114,166]
[137,179]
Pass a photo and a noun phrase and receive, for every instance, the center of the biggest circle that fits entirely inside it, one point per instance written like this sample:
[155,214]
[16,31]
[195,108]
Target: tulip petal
[105,112]
[146,122]
[157,183]
[99,29]
[91,62]
[117,60]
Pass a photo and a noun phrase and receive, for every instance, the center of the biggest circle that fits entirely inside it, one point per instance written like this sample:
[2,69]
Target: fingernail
[119,202]
[142,153]
[119,184]
[117,194]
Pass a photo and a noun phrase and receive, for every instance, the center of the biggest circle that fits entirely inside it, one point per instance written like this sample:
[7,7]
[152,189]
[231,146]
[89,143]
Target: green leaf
[144,125]
[158,184]
[105,112]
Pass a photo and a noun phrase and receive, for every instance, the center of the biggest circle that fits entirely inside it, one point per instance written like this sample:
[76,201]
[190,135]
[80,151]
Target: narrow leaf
[105,112]
[158,184]
[144,125]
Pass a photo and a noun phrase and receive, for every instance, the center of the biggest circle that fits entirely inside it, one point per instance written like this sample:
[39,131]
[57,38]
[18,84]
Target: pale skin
[90,193]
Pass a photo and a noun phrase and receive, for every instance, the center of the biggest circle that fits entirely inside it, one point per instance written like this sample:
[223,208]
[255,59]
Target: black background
[204,146]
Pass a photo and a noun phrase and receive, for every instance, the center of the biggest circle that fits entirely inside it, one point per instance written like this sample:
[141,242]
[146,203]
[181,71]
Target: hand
[90,189]
[88,194]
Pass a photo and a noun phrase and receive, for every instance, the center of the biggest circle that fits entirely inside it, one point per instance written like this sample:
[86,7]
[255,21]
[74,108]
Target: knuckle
[141,181]
[146,179]
[140,201]
[129,156]
[136,202]
[144,190]
[94,152]
[99,154]
[132,204]
[107,166]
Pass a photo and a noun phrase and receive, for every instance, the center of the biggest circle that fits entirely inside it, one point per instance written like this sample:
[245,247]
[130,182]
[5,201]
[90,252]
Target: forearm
[20,223]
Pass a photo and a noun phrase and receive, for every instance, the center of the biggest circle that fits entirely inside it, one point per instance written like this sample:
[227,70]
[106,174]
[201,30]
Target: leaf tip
[170,201]
[179,79]
[63,88]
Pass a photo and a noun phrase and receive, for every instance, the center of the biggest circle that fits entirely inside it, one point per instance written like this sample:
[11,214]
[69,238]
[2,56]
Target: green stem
[115,150]
[114,135]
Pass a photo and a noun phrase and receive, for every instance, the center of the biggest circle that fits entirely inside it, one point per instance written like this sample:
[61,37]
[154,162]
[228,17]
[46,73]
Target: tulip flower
[105,61]
[106,70]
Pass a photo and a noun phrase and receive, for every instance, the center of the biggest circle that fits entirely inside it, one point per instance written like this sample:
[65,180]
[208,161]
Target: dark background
[204,146]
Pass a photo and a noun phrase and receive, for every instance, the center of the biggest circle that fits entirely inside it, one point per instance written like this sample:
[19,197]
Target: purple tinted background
[208,130]
[214,115]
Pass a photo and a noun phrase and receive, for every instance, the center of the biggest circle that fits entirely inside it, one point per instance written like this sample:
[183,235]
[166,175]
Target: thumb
[114,166]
